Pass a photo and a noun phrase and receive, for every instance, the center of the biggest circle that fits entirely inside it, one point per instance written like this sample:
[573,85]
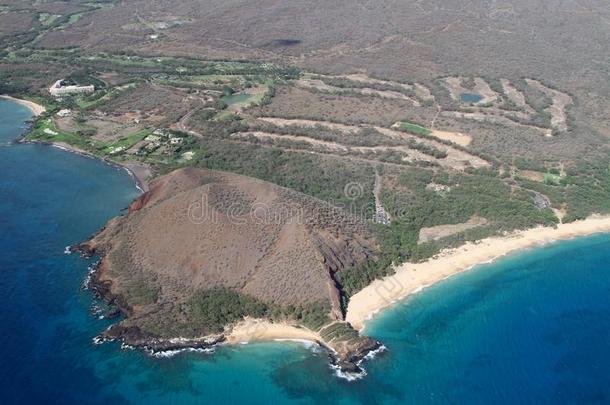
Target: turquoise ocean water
[532,328]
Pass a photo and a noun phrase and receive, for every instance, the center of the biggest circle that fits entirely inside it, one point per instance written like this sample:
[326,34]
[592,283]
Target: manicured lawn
[126,142]
[53,134]
[414,128]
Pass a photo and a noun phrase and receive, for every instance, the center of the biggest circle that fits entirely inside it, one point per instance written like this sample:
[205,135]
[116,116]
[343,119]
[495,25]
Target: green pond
[470,98]
[237,99]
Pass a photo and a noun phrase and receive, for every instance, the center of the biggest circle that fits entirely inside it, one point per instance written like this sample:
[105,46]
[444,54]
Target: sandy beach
[36,109]
[411,278]
[250,330]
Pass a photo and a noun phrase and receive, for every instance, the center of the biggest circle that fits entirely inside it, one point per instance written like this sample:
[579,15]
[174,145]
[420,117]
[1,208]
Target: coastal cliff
[203,250]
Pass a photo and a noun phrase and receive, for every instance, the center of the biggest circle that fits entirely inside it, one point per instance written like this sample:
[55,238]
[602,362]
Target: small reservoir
[470,98]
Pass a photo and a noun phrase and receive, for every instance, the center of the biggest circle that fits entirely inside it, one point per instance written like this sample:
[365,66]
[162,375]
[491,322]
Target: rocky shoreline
[349,362]
[345,359]
[132,336]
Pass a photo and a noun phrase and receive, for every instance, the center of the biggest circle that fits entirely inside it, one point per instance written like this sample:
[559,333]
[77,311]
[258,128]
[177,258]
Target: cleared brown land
[441,231]
[154,104]
[405,41]
[557,109]
[399,40]
[365,91]
[13,23]
[455,137]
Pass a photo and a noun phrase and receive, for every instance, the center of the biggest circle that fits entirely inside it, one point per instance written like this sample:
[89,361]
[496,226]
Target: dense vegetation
[315,175]
[414,206]
[212,309]
[588,188]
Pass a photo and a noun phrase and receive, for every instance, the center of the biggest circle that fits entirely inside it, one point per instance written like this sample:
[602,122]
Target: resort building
[58,90]
[64,113]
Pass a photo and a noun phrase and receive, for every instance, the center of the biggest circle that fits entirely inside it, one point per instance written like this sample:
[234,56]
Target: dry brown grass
[199,229]
[293,102]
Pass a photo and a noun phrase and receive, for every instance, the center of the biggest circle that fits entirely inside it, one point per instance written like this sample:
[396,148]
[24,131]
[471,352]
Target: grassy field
[126,142]
[243,99]
[95,100]
[46,130]
[414,128]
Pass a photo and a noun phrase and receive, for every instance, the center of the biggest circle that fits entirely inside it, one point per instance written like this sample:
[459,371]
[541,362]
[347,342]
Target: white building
[58,90]
[64,113]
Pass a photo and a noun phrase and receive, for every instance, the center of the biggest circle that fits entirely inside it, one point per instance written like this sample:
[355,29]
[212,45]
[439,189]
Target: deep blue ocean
[533,327]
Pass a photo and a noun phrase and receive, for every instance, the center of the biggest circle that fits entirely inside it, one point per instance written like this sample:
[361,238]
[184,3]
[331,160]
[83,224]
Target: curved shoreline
[411,278]
[140,173]
[35,108]
[251,330]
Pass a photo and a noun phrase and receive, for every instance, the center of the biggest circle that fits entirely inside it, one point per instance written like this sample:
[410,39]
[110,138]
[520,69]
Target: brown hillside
[197,230]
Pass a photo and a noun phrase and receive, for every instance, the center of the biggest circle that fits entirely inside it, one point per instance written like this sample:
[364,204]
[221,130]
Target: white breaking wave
[92,269]
[171,353]
[373,353]
[307,343]
[352,376]
[346,375]
[135,179]
[98,340]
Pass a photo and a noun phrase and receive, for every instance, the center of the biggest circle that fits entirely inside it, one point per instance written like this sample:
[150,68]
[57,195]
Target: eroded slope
[199,237]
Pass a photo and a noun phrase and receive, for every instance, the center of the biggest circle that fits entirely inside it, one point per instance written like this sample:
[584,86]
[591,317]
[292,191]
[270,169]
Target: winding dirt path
[381,215]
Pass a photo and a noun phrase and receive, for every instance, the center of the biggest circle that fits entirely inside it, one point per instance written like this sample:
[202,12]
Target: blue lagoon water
[531,328]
